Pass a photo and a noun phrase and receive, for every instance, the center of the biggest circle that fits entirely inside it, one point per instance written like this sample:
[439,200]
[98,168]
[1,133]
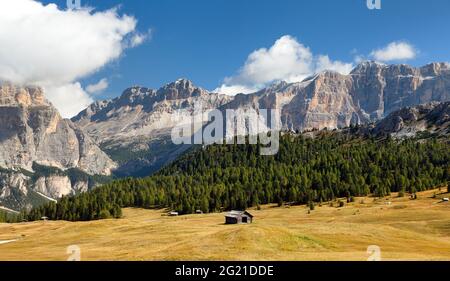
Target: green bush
[104,214]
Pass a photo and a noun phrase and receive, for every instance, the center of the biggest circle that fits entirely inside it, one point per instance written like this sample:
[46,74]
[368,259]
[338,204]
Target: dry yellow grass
[404,230]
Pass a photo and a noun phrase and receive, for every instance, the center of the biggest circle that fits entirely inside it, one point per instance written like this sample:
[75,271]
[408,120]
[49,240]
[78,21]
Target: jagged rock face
[54,186]
[18,191]
[142,119]
[380,89]
[323,103]
[433,118]
[142,112]
[13,190]
[32,130]
[370,92]
[10,182]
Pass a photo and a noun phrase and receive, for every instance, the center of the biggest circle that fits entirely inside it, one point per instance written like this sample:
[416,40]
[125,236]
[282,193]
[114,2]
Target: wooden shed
[238,217]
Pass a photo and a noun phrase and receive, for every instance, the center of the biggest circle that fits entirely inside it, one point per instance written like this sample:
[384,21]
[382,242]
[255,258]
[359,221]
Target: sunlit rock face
[32,130]
[370,92]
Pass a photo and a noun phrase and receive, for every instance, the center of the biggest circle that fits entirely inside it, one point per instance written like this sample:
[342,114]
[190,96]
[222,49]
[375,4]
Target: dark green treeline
[224,177]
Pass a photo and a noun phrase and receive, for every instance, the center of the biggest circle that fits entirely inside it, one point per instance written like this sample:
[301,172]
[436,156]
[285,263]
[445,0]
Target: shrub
[104,214]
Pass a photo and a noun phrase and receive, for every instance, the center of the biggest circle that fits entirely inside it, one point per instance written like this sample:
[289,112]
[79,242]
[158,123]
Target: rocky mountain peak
[368,68]
[12,95]
[329,75]
[402,70]
[181,89]
[275,87]
[135,94]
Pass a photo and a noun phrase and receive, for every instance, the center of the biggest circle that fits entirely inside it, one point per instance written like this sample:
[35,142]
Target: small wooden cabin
[238,217]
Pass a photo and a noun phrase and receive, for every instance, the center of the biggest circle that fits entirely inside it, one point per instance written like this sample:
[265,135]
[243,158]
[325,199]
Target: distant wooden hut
[44,218]
[173,214]
[238,217]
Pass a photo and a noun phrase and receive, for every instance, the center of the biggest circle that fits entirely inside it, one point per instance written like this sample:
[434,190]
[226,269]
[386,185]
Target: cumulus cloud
[68,98]
[53,48]
[98,87]
[232,90]
[325,63]
[395,51]
[287,60]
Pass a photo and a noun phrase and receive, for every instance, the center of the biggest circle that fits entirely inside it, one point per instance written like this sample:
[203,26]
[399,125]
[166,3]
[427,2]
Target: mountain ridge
[141,119]
[131,135]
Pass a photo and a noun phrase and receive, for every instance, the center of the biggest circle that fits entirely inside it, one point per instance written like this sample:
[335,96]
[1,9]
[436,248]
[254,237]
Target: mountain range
[44,156]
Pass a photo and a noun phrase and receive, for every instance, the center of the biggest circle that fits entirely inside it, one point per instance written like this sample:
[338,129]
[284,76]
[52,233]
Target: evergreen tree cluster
[306,170]
[10,218]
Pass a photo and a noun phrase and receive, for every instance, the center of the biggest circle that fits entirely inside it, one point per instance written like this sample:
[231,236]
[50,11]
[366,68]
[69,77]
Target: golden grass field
[404,230]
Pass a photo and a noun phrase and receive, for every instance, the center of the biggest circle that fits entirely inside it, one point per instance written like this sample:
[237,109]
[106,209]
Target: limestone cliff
[33,132]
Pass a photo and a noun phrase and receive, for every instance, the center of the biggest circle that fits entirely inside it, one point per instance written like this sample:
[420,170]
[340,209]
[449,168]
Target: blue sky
[208,40]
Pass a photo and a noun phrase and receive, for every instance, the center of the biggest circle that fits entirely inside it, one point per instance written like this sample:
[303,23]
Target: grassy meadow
[404,229]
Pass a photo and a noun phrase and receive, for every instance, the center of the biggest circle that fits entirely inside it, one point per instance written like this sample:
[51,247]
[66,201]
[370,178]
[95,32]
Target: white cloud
[286,60]
[139,38]
[98,87]
[69,97]
[46,46]
[324,63]
[395,51]
[232,90]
